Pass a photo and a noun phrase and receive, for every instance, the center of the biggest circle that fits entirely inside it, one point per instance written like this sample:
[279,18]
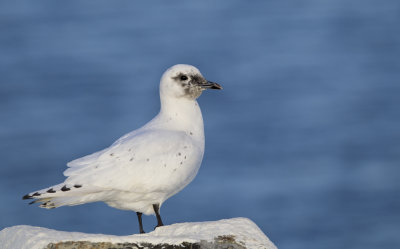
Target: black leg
[139,216]
[156,208]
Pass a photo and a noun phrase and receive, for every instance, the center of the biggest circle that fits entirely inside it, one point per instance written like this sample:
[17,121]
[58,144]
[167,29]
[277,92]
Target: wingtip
[26,197]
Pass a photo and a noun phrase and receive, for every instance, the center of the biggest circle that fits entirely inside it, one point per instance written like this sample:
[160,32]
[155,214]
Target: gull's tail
[62,195]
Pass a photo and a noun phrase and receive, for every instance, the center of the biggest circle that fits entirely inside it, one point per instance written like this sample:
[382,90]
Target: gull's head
[184,81]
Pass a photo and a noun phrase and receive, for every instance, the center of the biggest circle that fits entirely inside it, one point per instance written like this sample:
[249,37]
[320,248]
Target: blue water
[304,139]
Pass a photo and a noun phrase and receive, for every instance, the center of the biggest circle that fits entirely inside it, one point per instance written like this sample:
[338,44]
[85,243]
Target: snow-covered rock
[236,233]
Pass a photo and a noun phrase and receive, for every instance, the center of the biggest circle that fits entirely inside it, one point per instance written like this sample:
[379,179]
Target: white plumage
[145,167]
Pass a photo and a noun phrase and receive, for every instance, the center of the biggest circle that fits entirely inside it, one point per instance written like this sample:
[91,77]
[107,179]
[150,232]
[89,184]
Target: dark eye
[184,77]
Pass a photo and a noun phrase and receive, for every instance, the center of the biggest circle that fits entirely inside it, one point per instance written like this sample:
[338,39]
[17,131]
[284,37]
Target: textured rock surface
[221,242]
[237,233]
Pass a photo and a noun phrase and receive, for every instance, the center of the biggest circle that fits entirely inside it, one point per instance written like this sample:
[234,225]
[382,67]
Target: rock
[236,233]
[221,242]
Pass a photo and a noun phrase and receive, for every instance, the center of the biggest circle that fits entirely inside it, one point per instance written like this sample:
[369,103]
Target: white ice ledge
[239,232]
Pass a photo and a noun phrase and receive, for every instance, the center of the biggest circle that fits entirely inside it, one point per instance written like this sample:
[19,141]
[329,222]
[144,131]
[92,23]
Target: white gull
[145,167]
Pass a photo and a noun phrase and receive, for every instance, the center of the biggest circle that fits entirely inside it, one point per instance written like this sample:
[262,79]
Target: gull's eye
[184,77]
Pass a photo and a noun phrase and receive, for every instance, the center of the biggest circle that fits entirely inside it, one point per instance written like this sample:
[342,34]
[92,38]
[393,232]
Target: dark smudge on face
[192,85]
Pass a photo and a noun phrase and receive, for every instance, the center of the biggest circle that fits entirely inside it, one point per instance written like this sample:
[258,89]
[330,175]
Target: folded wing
[140,163]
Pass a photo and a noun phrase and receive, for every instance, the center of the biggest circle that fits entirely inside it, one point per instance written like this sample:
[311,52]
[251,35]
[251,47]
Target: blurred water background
[304,139]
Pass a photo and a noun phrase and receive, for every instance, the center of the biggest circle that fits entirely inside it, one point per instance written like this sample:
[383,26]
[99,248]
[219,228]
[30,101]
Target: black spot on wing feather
[35,201]
[48,205]
[64,188]
[51,191]
[36,194]
[27,196]
[77,185]
[32,202]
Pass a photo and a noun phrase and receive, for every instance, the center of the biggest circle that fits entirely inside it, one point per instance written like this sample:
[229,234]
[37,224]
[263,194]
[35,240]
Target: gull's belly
[157,183]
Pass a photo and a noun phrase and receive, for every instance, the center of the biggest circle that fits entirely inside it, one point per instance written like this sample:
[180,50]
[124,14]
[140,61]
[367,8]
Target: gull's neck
[181,114]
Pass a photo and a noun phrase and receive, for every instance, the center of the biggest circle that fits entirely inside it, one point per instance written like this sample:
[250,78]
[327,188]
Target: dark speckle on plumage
[64,188]
[51,191]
